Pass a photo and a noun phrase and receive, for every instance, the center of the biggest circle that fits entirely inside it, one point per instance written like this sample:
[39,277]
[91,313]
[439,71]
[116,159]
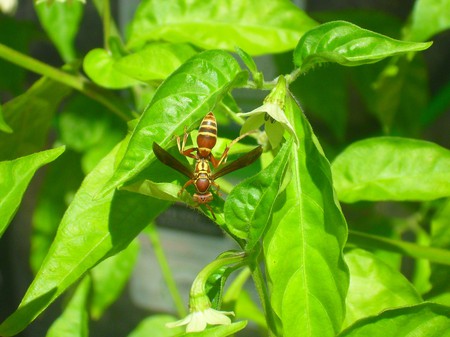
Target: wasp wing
[169,160]
[241,162]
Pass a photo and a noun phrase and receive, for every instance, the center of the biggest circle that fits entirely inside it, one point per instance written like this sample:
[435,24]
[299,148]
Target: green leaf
[181,101]
[100,66]
[74,320]
[110,277]
[427,319]
[348,45]
[303,246]
[248,207]
[91,230]
[30,116]
[155,326]
[155,61]
[257,75]
[15,175]
[3,126]
[217,331]
[61,21]
[390,168]
[258,27]
[374,287]
[58,188]
[429,17]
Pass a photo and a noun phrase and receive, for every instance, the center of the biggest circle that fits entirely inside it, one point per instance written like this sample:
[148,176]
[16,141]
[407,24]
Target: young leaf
[303,247]
[181,101]
[110,277]
[426,319]
[390,168]
[348,45]
[91,229]
[15,175]
[155,326]
[374,287]
[248,208]
[61,20]
[429,17]
[259,27]
[155,61]
[74,320]
[37,107]
[100,65]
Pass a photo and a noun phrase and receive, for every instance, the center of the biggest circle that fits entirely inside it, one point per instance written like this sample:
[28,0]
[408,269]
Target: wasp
[201,176]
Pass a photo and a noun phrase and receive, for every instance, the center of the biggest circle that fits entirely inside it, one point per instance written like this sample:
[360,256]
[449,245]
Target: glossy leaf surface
[15,175]
[155,61]
[374,287]
[427,319]
[74,320]
[91,229]
[248,207]
[303,248]
[258,27]
[390,168]
[348,45]
[181,101]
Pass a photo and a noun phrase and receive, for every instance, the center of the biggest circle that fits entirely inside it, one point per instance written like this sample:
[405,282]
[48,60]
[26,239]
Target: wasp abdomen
[207,135]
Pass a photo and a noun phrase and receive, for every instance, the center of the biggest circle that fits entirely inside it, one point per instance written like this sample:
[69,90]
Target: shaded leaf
[15,175]
[258,27]
[303,246]
[348,45]
[74,320]
[390,168]
[374,287]
[3,126]
[61,21]
[248,207]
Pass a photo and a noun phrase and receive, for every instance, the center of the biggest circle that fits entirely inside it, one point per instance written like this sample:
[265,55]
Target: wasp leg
[189,182]
[182,145]
[223,158]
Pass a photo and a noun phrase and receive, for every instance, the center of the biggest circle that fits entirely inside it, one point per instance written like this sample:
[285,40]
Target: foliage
[318,269]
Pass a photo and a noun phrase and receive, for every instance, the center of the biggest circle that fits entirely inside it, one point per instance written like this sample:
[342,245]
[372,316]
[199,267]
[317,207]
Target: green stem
[106,22]
[76,82]
[435,255]
[260,285]
[165,269]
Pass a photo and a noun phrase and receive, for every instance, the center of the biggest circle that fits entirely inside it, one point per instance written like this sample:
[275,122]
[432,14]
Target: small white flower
[8,6]
[198,320]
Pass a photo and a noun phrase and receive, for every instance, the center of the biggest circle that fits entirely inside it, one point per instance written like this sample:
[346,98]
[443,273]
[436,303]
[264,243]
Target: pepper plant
[310,222]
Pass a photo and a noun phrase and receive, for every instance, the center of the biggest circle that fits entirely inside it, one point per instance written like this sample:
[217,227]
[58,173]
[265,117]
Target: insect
[201,176]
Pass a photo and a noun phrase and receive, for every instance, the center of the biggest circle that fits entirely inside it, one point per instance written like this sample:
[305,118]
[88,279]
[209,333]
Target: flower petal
[197,323]
[183,321]
[215,317]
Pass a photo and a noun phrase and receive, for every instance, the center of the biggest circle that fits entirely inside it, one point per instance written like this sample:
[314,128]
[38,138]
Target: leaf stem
[76,82]
[436,255]
[165,269]
[261,288]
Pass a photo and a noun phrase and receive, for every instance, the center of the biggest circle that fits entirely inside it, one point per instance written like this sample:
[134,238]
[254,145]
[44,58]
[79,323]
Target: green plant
[314,276]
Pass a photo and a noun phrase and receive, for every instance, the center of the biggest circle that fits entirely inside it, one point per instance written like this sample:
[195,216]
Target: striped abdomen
[207,135]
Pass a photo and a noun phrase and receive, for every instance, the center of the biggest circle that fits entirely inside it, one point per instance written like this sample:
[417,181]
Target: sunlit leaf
[348,45]
[155,326]
[217,331]
[258,27]
[374,287]
[15,175]
[427,319]
[181,101]
[392,168]
[303,246]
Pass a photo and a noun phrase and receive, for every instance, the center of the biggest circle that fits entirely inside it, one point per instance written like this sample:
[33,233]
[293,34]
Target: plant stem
[76,82]
[435,255]
[165,269]
[261,288]
[106,22]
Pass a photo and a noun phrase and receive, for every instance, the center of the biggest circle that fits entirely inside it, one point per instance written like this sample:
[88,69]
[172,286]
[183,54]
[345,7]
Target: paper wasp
[201,176]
